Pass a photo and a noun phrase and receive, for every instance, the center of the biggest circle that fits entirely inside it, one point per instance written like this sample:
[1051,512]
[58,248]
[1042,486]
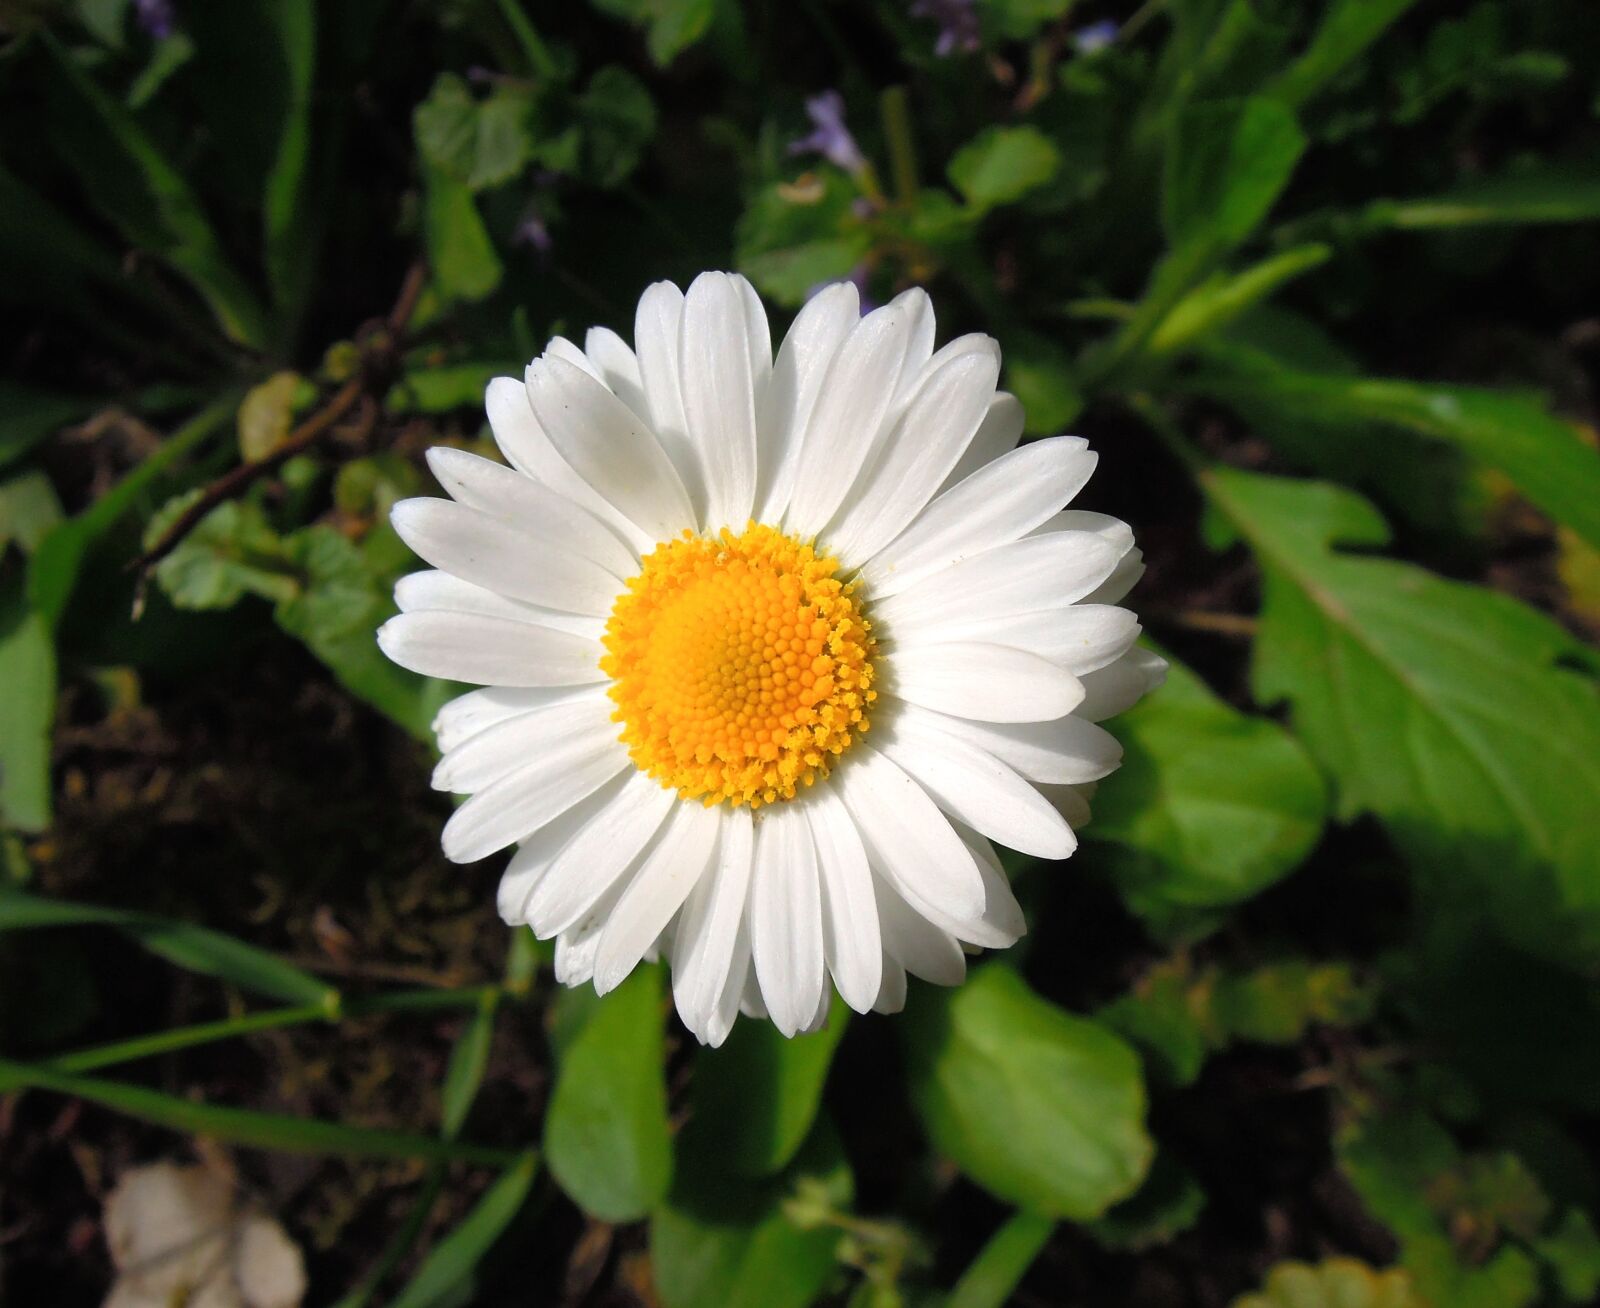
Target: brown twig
[1237,625]
[380,342]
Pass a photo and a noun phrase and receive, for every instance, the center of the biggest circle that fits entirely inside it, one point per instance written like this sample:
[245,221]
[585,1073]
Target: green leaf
[618,118]
[1020,20]
[27,708]
[1002,164]
[1572,1251]
[29,510]
[245,1127]
[448,1269]
[1227,163]
[1543,456]
[468,1060]
[788,275]
[1044,1109]
[1225,296]
[720,1241]
[605,1135]
[460,253]
[1549,193]
[29,416]
[450,386]
[1348,27]
[1210,805]
[232,553]
[1043,381]
[197,948]
[1336,1283]
[1168,1203]
[759,1093]
[288,197]
[672,26]
[993,1276]
[1437,706]
[791,238]
[148,198]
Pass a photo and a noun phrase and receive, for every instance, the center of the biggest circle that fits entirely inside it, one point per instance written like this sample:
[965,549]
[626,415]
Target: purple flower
[1095,37]
[831,138]
[958,24]
[156,17]
[532,231]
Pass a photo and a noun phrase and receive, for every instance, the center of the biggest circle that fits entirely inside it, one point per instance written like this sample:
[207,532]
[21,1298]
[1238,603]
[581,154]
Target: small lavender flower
[958,25]
[831,138]
[1095,37]
[156,17]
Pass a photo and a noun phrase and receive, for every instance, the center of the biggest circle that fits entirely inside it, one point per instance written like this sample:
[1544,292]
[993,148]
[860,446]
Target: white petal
[993,683]
[544,513]
[919,347]
[501,749]
[418,592]
[657,328]
[998,434]
[560,347]
[708,928]
[733,990]
[857,395]
[526,446]
[786,917]
[1114,531]
[1118,686]
[502,557]
[1000,910]
[937,425]
[1124,577]
[819,329]
[466,715]
[534,856]
[519,804]
[1071,801]
[576,948]
[849,911]
[599,854]
[892,994]
[916,944]
[905,835]
[682,853]
[618,368]
[973,785]
[997,504]
[719,396]
[610,447]
[489,651]
[1065,750]
[1038,572]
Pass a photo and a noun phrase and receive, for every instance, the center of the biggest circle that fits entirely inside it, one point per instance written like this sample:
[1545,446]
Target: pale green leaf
[450,1265]
[1002,164]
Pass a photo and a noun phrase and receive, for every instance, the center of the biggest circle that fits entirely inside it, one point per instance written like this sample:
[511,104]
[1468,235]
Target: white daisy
[705,575]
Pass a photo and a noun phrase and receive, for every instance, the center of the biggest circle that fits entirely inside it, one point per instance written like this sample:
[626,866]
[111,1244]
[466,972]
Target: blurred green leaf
[1168,1203]
[233,552]
[994,1275]
[606,1138]
[28,416]
[480,143]
[1227,163]
[1550,193]
[468,1060]
[267,413]
[1572,1252]
[1437,706]
[141,192]
[1210,805]
[27,708]
[1543,456]
[1044,383]
[461,256]
[29,510]
[792,238]
[197,948]
[1002,164]
[288,196]
[448,1269]
[1336,1283]
[1223,297]
[759,1093]
[243,1127]
[1020,20]
[720,1241]
[671,26]
[1042,1108]
[448,386]
[618,118]
[1348,27]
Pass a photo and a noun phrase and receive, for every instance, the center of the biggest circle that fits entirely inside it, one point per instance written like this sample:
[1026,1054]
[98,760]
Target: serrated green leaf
[449,1267]
[606,1138]
[759,1093]
[232,553]
[1437,706]
[1042,1108]
[1210,805]
[1543,456]
[1002,164]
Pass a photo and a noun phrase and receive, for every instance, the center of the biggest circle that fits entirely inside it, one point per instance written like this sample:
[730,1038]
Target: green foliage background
[1319,281]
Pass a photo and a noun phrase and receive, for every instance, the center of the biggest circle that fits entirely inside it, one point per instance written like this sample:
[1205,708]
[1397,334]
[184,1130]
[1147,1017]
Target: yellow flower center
[741,666]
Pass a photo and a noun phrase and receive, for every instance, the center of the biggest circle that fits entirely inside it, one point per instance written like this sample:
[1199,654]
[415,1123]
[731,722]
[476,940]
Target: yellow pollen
[741,666]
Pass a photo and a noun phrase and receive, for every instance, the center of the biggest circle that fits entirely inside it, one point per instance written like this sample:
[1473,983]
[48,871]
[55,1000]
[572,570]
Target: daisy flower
[771,650]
